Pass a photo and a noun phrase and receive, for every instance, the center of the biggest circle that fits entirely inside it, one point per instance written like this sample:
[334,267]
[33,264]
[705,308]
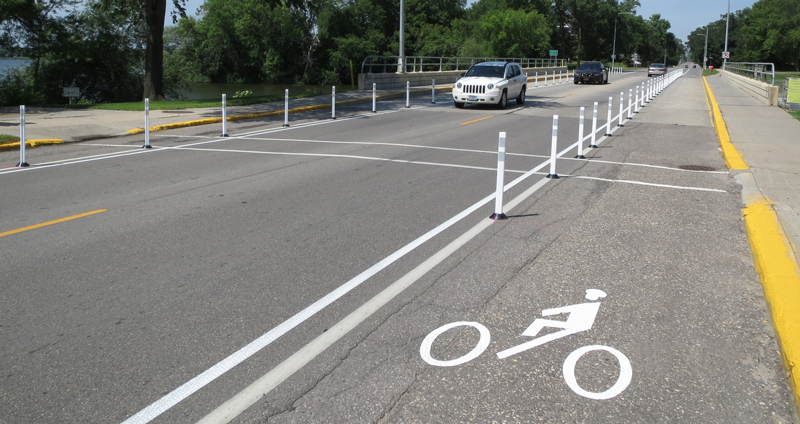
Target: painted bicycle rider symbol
[581,318]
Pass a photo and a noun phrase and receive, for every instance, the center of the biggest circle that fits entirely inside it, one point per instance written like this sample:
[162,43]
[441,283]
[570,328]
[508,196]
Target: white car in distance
[491,83]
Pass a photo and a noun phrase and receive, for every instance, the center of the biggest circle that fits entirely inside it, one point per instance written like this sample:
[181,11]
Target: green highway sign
[553,52]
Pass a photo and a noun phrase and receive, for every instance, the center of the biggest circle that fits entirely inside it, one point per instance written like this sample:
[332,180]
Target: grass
[795,113]
[709,72]
[198,103]
[4,138]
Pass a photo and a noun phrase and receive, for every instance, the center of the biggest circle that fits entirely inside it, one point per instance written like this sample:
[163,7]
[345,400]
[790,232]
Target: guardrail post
[501,165]
[608,121]
[333,102]
[554,149]
[621,101]
[594,127]
[580,136]
[22,160]
[224,115]
[147,125]
[374,106]
[408,94]
[433,91]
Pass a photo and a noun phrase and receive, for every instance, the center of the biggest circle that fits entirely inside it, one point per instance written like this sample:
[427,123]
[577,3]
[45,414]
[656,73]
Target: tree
[513,33]
[772,32]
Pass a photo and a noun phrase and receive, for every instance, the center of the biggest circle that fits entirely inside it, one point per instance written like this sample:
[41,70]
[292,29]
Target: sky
[684,15]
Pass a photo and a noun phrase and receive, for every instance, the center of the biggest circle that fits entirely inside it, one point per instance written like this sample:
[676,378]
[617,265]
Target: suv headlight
[489,86]
[458,85]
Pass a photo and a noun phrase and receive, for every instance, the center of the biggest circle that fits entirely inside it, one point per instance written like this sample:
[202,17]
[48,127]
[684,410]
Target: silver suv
[492,83]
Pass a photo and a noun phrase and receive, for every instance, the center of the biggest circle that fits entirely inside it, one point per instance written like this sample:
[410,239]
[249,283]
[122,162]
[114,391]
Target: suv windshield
[485,71]
[592,66]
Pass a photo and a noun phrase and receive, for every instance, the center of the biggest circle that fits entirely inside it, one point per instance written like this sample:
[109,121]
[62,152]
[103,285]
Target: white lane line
[190,387]
[93,158]
[338,156]
[259,388]
[714,190]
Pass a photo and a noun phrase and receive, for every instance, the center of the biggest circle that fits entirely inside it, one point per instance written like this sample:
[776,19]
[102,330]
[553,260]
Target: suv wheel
[458,105]
[521,97]
[503,100]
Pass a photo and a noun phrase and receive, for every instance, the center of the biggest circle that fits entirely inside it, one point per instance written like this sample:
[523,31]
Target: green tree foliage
[772,32]
[513,33]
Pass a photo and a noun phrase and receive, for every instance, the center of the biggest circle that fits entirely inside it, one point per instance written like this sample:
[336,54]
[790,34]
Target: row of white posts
[561,80]
[649,90]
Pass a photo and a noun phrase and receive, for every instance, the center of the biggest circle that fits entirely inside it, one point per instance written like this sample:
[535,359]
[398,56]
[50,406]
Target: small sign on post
[71,92]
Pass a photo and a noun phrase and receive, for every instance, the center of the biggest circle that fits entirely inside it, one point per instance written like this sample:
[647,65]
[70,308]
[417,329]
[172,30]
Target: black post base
[498,217]
[553,176]
[23,165]
[224,135]
[580,157]
[146,146]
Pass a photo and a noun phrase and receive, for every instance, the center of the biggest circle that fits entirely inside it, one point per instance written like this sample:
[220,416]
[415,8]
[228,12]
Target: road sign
[553,52]
[726,55]
[72,92]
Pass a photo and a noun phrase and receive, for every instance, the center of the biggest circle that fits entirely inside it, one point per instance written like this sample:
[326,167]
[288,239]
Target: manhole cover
[176,111]
[697,168]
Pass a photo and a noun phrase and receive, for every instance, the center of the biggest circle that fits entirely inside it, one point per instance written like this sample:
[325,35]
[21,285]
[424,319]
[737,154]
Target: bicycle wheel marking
[483,343]
[624,379]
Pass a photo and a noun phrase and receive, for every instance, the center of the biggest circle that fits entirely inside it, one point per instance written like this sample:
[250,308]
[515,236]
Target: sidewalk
[767,139]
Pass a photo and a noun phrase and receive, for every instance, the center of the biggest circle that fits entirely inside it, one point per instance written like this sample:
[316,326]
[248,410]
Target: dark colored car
[591,72]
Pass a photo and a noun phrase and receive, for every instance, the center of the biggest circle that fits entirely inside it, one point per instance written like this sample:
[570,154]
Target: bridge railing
[385,64]
[764,72]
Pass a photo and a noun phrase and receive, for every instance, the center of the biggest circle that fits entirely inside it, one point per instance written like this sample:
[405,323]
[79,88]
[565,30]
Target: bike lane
[629,302]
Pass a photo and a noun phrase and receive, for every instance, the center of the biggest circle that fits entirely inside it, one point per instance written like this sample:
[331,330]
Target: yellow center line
[570,95]
[44,224]
[469,122]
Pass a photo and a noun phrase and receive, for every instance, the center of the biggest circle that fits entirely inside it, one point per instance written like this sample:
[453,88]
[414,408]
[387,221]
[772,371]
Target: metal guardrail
[756,71]
[434,64]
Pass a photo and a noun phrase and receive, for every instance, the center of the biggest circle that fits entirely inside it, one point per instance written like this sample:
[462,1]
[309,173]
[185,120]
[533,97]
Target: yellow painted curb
[732,156]
[780,277]
[266,114]
[31,143]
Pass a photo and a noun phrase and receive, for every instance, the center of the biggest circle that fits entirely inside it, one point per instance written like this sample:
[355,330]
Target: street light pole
[705,51]
[402,61]
[614,48]
[727,18]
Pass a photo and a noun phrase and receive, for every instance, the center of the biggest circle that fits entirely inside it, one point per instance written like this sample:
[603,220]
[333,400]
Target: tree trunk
[154,13]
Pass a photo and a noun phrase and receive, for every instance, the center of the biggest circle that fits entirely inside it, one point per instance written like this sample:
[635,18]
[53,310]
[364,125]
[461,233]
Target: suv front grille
[474,89]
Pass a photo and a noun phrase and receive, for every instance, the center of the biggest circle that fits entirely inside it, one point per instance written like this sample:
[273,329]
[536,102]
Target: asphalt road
[206,245]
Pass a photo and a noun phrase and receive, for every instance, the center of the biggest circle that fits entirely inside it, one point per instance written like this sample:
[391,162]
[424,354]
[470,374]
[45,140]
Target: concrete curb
[31,143]
[386,96]
[772,253]
[732,156]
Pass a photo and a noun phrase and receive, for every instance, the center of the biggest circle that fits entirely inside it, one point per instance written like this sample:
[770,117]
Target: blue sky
[684,15]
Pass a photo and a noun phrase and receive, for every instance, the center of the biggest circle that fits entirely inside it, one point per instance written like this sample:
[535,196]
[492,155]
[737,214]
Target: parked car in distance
[656,69]
[492,83]
[591,72]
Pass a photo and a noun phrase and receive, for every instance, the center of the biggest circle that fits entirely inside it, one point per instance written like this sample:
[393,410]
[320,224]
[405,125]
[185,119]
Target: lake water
[11,63]
[215,91]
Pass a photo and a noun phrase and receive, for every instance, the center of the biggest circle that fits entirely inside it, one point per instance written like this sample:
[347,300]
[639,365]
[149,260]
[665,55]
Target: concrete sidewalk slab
[769,140]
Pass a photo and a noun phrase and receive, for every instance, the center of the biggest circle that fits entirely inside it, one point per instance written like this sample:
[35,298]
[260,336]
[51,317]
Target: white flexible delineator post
[594,127]
[147,125]
[224,115]
[554,149]
[286,108]
[608,120]
[580,136]
[501,166]
[22,160]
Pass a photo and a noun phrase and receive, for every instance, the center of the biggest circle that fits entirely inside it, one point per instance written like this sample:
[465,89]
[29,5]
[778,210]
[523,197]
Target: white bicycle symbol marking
[581,318]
